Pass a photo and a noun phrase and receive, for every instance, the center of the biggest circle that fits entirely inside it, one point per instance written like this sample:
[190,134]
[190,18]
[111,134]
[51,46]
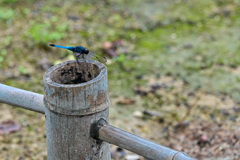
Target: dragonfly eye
[86,51]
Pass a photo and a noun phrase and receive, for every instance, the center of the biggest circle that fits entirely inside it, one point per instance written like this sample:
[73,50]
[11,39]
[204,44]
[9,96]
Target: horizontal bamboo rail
[134,143]
[21,98]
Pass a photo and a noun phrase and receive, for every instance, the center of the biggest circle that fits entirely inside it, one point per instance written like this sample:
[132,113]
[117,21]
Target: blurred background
[173,69]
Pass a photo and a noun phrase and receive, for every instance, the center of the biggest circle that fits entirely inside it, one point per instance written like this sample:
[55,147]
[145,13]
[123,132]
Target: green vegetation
[23,70]
[6,14]
[44,33]
[196,42]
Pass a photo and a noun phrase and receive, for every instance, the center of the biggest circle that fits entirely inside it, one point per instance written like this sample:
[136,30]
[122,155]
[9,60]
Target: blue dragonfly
[80,52]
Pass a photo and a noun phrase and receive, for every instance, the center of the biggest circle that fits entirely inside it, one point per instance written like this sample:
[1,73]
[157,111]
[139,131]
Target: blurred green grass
[183,38]
[197,41]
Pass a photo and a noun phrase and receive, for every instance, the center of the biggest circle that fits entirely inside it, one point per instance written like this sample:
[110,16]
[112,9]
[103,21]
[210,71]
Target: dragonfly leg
[76,57]
[82,56]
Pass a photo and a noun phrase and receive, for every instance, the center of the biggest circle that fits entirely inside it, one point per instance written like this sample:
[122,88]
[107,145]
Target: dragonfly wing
[102,59]
[90,55]
[93,55]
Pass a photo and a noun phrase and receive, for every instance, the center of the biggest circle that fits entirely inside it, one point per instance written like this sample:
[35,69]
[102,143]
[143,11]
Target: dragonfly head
[86,51]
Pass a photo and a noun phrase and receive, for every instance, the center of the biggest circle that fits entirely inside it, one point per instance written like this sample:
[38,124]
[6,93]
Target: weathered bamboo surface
[21,98]
[131,142]
[75,97]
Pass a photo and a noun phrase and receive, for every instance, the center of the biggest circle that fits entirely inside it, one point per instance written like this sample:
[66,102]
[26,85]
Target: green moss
[6,14]
[43,33]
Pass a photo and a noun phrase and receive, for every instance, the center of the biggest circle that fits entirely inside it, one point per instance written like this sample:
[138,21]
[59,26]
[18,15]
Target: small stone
[138,114]
[132,157]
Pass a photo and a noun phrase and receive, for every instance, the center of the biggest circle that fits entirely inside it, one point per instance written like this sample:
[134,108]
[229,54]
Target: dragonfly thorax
[80,49]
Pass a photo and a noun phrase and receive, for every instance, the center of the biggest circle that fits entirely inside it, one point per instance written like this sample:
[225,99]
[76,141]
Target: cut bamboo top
[76,89]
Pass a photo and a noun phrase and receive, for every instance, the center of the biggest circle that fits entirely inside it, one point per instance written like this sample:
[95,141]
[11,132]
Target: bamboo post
[76,96]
